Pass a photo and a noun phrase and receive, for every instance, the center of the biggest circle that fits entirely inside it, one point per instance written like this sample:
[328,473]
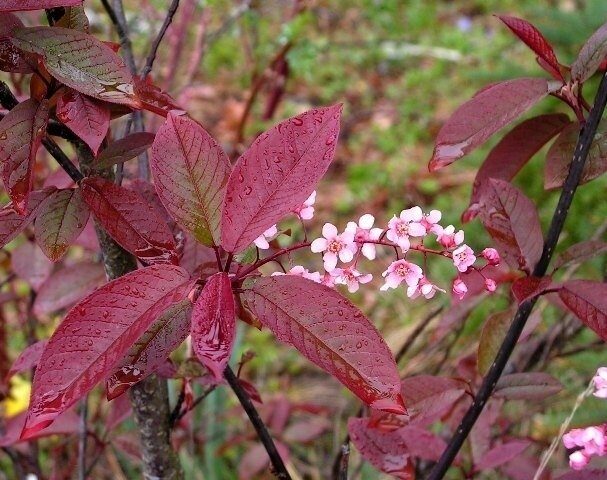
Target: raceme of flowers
[588,442]
[342,252]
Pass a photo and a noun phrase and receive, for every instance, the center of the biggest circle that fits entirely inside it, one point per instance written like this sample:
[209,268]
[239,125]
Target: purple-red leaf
[12,224]
[591,55]
[307,430]
[86,117]
[96,334]
[256,459]
[560,155]
[513,222]
[527,386]
[533,38]
[21,132]
[501,454]
[12,59]
[332,333]
[66,424]
[124,149]
[27,359]
[20,5]
[514,150]
[131,221]
[61,218]
[491,338]
[528,287]
[588,301]
[277,174]
[386,451]
[191,171]
[30,264]
[67,286]
[80,61]
[483,115]
[580,252]
[152,349]
[214,324]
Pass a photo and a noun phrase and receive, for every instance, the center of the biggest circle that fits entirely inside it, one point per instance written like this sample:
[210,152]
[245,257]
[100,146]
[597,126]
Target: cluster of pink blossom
[404,233]
[590,441]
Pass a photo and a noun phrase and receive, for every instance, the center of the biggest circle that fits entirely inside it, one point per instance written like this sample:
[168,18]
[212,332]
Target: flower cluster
[342,252]
[590,441]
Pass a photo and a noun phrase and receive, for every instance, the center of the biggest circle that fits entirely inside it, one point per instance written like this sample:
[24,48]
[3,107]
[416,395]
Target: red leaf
[483,115]
[580,252]
[591,55]
[19,5]
[132,222]
[12,59]
[306,431]
[588,301]
[277,173]
[513,222]
[422,443]
[527,386]
[332,333]
[251,390]
[87,118]
[80,61]
[191,171]
[195,254]
[528,287]
[12,224]
[21,132]
[386,451]
[514,150]
[30,264]
[256,459]
[67,286]
[66,424]
[96,334]
[151,351]
[27,359]
[214,324]
[533,38]
[124,149]
[501,454]
[61,219]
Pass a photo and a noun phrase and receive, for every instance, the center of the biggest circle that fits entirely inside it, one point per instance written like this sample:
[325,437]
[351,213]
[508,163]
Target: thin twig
[262,431]
[149,62]
[558,220]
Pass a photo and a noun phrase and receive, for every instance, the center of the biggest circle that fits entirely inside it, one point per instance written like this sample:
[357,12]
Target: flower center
[402,229]
[402,270]
[334,246]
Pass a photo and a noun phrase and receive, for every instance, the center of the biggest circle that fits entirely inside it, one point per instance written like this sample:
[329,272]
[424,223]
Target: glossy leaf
[214,324]
[501,454]
[89,119]
[332,333]
[529,287]
[483,115]
[66,424]
[560,155]
[580,252]
[12,59]
[492,335]
[591,55]
[277,173]
[12,224]
[65,287]
[131,221]
[191,171]
[30,264]
[21,132]
[533,38]
[527,386]
[96,334]
[513,152]
[386,451]
[80,61]
[152,349]
[20,5]
[513,222]
[153,98]
[61,219]
[124,149]
[27,359]
[588,301]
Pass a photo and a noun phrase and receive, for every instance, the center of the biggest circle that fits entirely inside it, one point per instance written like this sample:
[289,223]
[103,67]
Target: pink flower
[400,271]
[407,224]
[600,383]
[365,231]
[578,460]
[463,257]
[430,220]
[592,442]
[447,236]
[328,279]
[459,288]
[424,287]
[491,255]
[262,240]
[335,246]
[306,211]
[490,285]
[351,277]
[300,271]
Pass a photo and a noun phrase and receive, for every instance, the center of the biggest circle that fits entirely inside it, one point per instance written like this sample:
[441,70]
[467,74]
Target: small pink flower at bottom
[334,246]
[400,271]
[459,288]
[578,460]
[300,271]
[491,255]
[262,240]
[351,277]
[592,442]
[407,224]
[447,236]
[600,383]
[463,257]
[425,288]
[365,231]
[306,210]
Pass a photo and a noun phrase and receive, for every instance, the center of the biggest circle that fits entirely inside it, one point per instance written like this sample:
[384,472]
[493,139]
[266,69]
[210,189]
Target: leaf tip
[394,405]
